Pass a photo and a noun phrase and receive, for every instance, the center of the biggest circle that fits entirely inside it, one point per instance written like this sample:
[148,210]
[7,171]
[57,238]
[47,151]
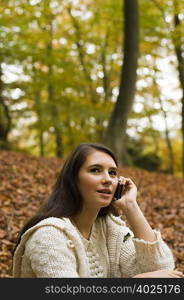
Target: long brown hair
[65,199]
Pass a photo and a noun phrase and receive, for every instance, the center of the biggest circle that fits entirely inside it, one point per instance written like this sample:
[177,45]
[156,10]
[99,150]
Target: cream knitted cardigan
[54,248]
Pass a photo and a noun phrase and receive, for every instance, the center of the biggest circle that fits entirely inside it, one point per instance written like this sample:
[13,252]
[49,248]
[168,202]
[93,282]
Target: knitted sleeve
[50,254]
[139,256]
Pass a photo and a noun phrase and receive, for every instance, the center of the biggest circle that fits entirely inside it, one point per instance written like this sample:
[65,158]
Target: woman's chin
[104,203]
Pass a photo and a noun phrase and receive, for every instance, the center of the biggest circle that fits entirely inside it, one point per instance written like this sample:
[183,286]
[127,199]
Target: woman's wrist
[138,222]
[131,207]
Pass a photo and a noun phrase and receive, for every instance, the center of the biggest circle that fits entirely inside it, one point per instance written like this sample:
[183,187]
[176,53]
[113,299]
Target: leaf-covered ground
[26,181]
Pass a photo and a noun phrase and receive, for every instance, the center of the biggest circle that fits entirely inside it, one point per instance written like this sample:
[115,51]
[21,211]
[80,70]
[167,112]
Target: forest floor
[26,181]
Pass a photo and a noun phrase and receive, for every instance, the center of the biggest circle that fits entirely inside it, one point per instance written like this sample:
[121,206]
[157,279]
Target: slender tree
[115,135]
[176,37]
[51,95]
[180,57]
[5,119]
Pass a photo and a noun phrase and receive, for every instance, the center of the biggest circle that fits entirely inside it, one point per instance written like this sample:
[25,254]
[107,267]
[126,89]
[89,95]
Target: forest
[77,71]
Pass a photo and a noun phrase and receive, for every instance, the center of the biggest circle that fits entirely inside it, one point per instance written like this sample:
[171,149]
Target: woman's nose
[107,178]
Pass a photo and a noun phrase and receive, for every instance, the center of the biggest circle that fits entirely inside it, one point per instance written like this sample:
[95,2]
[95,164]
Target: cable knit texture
[55,248]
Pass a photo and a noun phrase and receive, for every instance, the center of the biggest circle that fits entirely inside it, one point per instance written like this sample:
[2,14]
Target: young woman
[78,232]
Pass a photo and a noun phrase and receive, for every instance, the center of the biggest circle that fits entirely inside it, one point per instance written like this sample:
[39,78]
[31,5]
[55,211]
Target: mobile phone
[119,191]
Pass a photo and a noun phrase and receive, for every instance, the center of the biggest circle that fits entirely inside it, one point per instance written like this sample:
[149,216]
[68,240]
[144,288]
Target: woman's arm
[137,221]
[146,252]
[161,274]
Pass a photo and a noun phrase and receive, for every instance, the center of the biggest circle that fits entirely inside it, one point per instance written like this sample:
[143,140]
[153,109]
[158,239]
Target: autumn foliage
[26,181]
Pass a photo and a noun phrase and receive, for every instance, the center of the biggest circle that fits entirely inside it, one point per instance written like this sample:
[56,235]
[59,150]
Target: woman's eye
[113,173]
[95,170]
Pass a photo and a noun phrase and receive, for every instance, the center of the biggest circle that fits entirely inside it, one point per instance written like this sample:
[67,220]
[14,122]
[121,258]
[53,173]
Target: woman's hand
[161,274]
[129,195]
[128,205]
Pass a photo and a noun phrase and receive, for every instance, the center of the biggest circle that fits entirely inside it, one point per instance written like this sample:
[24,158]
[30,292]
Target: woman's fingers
[175,274]
[121,180]
[126,181]
[178,274]
[163,273]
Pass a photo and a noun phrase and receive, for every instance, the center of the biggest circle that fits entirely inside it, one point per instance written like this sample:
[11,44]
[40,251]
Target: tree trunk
[105,79]
[154,135]
[90,90]
[56,122]
[40,122]
[167,139]
[51,97]
[5,119]
[180,58]
[115,135]
[167,135]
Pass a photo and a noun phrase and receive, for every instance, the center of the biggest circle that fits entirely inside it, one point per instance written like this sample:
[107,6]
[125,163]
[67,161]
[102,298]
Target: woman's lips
[104,191]
[105,194]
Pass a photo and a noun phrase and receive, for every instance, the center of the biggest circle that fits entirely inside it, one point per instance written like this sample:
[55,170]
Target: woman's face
[97,180]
